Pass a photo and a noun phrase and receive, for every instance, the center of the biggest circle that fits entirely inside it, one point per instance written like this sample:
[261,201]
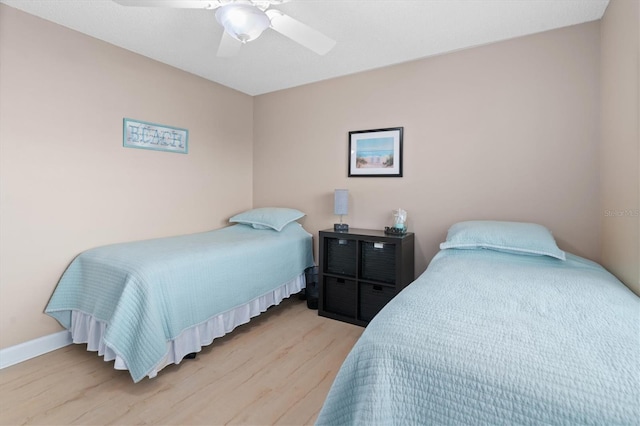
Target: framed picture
[158,137]
[376,153]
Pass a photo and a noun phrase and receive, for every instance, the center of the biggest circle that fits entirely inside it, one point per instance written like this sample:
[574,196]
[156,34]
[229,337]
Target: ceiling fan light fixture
[243,21]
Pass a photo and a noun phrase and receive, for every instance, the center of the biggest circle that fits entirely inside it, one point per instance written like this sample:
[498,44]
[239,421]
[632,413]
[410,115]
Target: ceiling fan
[245,20]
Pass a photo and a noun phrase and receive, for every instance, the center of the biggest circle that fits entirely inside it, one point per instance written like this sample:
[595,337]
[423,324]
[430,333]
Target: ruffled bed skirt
[87,329]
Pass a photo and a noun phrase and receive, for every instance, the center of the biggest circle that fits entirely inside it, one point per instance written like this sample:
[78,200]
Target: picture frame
[157,137]
[376,153]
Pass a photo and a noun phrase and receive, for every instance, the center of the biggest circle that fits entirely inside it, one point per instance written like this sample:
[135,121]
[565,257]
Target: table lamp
[341,207]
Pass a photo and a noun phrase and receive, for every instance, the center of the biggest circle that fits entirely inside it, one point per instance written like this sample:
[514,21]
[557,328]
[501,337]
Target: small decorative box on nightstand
[361,271]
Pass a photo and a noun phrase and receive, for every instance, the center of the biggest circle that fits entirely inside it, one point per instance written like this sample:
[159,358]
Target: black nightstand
[361,271]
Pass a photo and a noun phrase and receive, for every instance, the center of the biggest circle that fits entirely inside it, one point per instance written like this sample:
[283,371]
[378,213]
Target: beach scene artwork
[375,153]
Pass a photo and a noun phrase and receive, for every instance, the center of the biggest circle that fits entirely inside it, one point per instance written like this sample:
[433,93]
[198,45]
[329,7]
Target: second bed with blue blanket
[147,304]
[488,337]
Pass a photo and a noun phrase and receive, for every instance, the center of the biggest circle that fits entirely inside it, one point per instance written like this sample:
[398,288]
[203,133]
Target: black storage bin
[311,289]
[341,257]
[378,262]
[340,296]
[372,299]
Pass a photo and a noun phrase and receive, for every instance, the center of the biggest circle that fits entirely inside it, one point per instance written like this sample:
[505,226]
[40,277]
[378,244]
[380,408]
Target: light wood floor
[277,369]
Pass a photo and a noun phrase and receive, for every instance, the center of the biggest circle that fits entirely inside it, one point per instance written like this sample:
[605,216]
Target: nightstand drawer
[339,295]
[378,262]
[373,298]
[341,256]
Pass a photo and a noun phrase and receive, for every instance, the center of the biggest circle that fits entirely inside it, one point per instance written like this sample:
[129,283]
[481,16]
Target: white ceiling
[369,33]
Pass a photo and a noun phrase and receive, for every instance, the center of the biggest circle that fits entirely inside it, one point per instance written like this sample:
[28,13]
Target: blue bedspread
[491,338]
[148,292]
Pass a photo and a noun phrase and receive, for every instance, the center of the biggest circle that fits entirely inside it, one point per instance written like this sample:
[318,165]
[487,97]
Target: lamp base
[341,227]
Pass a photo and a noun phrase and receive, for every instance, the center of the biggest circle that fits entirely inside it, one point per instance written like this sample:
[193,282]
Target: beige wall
[620,148]
[505,131]
[66,182]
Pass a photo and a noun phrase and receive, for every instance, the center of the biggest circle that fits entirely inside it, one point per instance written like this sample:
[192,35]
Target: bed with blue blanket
[147,304]
[502,328]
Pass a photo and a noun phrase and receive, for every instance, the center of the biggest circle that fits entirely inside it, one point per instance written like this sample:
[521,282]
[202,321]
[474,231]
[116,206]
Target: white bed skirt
[87,329]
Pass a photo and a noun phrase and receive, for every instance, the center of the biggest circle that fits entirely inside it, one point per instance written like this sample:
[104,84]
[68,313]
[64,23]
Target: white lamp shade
[243,21]
[341,202]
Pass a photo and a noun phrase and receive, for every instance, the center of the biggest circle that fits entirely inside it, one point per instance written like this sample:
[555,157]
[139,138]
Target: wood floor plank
[277,369]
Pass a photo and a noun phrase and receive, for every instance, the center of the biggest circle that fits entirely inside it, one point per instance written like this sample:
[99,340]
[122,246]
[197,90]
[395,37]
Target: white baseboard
[33,348]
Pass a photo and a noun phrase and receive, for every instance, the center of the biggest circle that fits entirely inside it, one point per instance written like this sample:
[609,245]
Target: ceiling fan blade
[229,46]
[178,4]
[264,4]
[300,33]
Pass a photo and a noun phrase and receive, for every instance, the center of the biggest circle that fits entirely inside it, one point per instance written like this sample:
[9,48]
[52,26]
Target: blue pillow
[511,237]
[268,217]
